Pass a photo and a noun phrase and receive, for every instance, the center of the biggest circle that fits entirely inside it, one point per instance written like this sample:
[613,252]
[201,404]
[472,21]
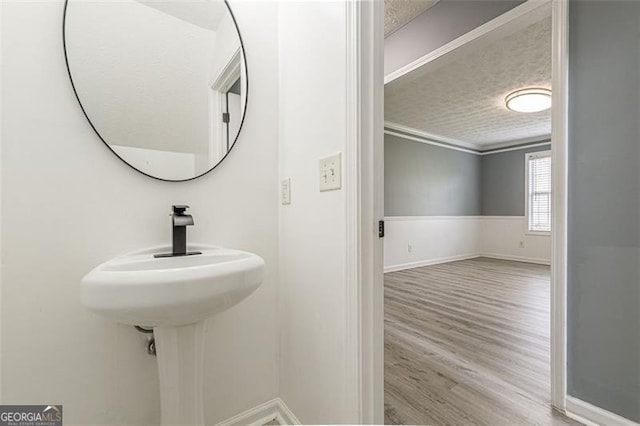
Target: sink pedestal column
[180,352]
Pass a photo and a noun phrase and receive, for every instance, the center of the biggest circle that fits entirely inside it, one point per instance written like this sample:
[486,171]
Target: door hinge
[225,117]
[381,229]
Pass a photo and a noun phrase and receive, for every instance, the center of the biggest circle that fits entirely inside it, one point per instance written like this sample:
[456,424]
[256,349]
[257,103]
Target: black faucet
[179,222]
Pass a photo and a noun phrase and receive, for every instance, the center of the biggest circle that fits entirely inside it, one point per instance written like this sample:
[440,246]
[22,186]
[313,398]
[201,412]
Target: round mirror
[162,82]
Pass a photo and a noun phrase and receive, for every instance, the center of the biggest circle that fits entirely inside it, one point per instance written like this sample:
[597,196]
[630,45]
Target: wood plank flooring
[467,343]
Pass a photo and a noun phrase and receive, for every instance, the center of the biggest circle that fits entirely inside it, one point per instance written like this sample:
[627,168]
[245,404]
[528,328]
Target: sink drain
[151,341]
[151,345]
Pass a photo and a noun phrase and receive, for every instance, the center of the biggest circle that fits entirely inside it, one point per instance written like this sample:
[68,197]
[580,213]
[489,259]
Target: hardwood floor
[467,343]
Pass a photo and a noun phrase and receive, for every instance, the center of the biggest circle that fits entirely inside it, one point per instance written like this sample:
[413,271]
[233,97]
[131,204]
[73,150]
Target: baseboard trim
[274,409]
[430,218]
[428,262]
[590,415]
[427,218]
[524,259]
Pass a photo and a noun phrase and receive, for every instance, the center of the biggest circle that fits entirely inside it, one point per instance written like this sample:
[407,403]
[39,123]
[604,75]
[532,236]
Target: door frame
[364,163]
[363,176]
[218,87]
[559,179]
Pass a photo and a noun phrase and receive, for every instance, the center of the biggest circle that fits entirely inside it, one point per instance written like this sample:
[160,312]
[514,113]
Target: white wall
[69,204]
[500,236]
[433,239]
[1,160]
[313,379]
[168,164]
[226,46]
[438,239]
[114,49]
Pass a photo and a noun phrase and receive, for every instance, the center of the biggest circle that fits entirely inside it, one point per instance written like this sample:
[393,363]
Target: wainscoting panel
[413,241]
[505,237]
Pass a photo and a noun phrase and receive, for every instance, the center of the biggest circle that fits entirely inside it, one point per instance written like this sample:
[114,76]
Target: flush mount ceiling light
[529,100]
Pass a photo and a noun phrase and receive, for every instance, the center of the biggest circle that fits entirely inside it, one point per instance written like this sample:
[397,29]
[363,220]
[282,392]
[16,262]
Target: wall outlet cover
[331,173]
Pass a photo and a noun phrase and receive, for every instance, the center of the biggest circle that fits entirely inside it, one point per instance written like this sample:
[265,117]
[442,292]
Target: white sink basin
[139,289]
[174,295]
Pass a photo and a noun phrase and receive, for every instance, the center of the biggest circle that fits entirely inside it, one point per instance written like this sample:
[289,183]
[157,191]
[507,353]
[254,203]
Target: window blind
[539,185]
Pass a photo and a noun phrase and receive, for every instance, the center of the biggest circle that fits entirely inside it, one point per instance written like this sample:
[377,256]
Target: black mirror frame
[75,92]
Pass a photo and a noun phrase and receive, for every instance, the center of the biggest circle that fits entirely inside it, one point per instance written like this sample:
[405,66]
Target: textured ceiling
[398,13]
[464,100]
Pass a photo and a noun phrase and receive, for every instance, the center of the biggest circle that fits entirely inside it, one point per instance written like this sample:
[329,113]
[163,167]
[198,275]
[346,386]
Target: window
[538,204]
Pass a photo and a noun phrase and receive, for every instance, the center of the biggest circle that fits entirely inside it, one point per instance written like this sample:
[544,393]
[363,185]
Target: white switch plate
[286,191]
[331,173]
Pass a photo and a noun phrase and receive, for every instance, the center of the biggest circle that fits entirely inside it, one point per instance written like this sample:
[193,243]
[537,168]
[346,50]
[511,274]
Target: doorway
[508,23]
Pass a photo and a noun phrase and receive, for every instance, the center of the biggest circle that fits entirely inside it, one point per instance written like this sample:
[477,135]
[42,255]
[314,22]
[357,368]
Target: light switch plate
[285,191]
[331,173]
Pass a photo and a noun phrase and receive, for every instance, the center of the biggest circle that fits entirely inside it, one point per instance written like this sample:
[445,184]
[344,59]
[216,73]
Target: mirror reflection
[163,83]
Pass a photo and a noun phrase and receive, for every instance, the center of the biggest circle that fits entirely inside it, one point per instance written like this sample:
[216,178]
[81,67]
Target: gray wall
[503,187]
[604,205]
[426,180]
[444,22]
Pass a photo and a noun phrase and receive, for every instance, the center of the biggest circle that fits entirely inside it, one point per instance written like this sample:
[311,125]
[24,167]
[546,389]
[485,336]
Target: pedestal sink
[174,296]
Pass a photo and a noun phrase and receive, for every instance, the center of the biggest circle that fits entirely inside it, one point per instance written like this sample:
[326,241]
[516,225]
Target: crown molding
[431,137]
[545,138]
[410,133]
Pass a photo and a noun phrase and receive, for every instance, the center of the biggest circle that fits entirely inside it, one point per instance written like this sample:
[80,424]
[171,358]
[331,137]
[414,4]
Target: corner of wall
[311,126]
[1,181]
